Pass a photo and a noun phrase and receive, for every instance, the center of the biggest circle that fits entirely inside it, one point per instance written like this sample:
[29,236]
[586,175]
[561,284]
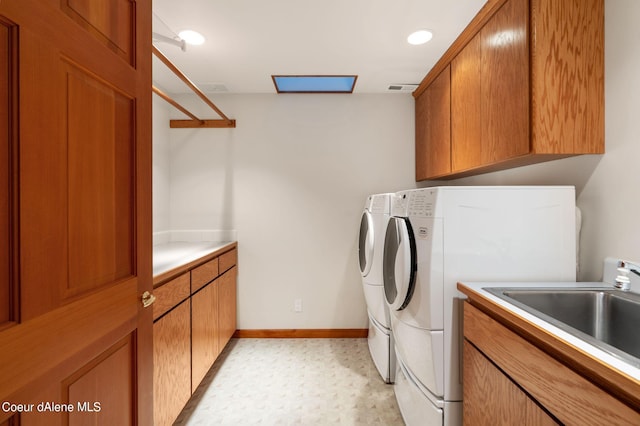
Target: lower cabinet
[227,295]
[194,320]
[204,331]
[172,363]
[213,322]
[491,398]
[510,380]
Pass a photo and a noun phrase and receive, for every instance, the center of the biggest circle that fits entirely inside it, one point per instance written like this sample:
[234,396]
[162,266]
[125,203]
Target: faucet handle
[622,281]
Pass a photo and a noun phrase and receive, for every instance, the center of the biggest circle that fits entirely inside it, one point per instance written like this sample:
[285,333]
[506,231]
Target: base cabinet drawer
[171,294]
[204,274]
[227,260]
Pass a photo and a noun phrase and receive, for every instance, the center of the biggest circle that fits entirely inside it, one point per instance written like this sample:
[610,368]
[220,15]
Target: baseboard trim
[311,333]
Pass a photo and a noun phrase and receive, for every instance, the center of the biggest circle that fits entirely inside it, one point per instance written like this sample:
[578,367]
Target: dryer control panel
[380,203]
[422,203]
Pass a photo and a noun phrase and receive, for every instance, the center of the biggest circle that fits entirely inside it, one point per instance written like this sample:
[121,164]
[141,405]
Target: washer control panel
[422,203]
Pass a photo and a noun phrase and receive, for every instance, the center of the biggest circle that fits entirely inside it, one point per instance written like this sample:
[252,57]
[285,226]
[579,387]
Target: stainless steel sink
[604,317]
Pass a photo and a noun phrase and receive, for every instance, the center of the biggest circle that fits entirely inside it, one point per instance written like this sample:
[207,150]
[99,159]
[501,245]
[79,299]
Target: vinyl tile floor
[293,382]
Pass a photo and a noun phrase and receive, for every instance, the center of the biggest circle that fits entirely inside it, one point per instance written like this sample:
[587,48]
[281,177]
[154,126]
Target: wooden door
[433,129]
[75,211]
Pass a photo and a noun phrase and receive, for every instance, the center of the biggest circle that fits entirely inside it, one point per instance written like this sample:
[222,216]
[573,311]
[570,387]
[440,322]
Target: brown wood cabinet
[466,110]
[204,274]
[205,331]
[433,135]
[195,315]
[491,398]
[527,85]
[509,380]
[227,306]
[489,96]
[172,363]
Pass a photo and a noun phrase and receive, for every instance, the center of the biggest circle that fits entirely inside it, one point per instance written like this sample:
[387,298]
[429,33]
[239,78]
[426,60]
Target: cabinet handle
[147,299]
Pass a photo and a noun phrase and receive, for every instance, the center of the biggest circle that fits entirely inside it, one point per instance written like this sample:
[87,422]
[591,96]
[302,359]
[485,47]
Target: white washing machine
[370,247]
[441,235]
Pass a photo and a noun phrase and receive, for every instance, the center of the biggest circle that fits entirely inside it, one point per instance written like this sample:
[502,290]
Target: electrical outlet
[297,305]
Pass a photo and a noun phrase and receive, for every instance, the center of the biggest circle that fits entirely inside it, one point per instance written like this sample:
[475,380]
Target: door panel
[78,225]
[100,189]
[8,65]
[10,422]
[114,29]
[113,370]
[42,173]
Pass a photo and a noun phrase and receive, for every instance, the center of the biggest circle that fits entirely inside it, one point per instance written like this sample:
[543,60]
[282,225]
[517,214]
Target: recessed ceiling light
[191,37]
[419,37]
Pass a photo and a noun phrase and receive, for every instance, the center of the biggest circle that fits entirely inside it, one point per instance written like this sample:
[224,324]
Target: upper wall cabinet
[526,85]
[433,134]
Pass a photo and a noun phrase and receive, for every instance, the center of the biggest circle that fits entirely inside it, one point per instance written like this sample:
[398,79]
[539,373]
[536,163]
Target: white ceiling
[249,40]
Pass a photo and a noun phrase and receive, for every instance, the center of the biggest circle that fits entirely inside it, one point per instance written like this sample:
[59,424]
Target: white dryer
[441,235]
[370,249]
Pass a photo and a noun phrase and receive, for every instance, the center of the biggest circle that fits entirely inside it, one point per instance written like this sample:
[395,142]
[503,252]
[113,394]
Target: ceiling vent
[213,87]
[402,88]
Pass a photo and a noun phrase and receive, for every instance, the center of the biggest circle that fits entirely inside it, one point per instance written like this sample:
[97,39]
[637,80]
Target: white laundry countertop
[177,254]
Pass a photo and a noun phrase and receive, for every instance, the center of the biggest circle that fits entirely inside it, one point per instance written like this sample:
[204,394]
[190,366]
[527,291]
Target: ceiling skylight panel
[314,83]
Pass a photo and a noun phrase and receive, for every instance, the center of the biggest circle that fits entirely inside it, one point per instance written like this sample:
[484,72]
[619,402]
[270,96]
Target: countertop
[171,259]
[596,361]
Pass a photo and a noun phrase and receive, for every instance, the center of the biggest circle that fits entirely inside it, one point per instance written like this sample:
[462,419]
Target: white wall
[607,186]
[292,179]
[161,166]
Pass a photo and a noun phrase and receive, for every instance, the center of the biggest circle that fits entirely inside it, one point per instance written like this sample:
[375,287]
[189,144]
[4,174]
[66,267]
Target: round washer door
[366,243]
[399,263]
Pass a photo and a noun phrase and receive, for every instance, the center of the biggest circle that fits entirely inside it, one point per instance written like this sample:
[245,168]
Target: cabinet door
[466,101]
[433,128]
[227,306]
[204,332]
[491,398]
[505,83]
[172,364]
[567,73]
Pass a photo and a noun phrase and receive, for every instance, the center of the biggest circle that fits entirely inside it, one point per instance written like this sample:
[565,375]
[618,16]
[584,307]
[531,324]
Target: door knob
[147,299]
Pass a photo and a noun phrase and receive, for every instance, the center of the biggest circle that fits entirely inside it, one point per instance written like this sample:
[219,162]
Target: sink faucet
[622,281]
